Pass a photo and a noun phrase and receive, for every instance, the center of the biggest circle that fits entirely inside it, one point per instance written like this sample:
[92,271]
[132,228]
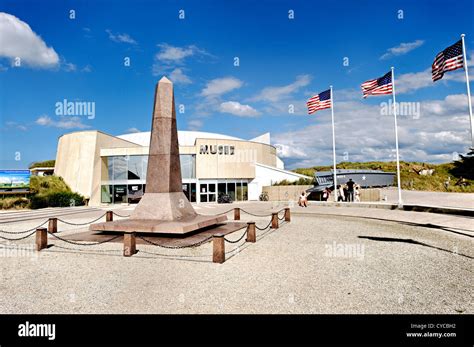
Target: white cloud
[238,109]
[195,124]
[402,48]
[363,133]
[17,39]
[277,93]
[69,67]
[124,38]
[133,130]
[62,122]
[87,68]
[175,54]
[219,86]
[178,76]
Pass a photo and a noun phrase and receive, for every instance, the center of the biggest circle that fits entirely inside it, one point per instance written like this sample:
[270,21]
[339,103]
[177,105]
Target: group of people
[349,192]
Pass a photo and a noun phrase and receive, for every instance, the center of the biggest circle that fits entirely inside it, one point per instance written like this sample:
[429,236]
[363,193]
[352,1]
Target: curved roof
[185,138]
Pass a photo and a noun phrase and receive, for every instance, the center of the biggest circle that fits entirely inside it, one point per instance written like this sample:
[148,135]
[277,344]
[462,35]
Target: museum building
[112,169]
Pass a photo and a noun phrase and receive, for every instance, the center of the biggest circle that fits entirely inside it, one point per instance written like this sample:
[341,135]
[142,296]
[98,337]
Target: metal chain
[84,244]
[175,247]
[236,248]
[95,250]
[261,215]
[120,215]
[219,213]
[24,231]
[236,241]
[175,255]
[256,227]
[76,224]
[16,239]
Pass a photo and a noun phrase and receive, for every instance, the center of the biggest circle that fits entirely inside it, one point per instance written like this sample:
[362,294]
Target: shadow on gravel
[390,239]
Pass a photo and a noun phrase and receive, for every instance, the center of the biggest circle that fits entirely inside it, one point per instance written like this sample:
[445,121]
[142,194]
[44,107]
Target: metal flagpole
[333,147]
[400,204]
[468,89]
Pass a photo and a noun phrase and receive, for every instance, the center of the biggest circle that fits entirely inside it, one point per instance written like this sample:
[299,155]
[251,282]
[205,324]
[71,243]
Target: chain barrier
[256,226]
[237,241]
[24,231]
[219,214]
[174,255]
[83,244]
[121,215]
[199,243]
[235,248]
[19,238]
[261,215]
[77,224]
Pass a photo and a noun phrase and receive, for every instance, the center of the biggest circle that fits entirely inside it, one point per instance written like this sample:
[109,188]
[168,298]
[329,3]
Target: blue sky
[283,62]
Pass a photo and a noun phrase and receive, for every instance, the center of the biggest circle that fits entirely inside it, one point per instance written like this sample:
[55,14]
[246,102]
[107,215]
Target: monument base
[180,226]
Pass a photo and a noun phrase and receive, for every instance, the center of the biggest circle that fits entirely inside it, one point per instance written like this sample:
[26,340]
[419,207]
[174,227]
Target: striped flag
[319,101]
[449,59]
[379,86]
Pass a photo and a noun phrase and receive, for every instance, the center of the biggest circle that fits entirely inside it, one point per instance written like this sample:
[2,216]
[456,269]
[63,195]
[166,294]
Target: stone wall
[284,193]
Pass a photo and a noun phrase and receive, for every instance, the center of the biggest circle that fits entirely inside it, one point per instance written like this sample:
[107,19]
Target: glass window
[193,192]
[238,195]
[120,194]
[245,194]
[188,165]
[203,197]
[212,187]
[120,168]
[135,167]
[231,190]
[106,194]
[135,192]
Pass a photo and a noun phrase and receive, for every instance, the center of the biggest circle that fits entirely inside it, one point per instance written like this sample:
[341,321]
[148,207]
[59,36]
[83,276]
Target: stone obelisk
[163,208]
[164,198]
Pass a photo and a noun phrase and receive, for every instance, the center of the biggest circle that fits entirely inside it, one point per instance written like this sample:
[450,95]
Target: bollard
[129,244]
[287,214]
[218,251]
[41,238]
[53,225]
[275,220]
[236,213]
[251,235]
[109,216]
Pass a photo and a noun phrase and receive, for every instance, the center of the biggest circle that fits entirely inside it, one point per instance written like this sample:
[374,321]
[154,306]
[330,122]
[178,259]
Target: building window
[106,194]
[120,194]
[188,165]
[120,168]
[135,193]
[135,168]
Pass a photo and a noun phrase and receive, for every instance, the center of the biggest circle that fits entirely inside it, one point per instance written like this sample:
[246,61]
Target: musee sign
[217,149]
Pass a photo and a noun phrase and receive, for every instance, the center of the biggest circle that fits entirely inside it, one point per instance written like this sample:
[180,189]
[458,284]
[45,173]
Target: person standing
[341,195]
[350,190]
[357,194]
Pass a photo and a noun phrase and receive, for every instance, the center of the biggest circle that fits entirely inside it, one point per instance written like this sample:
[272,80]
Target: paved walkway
[441,199]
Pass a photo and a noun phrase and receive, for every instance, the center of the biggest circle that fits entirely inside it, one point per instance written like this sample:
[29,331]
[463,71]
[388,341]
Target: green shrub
[46,163]
[56,199]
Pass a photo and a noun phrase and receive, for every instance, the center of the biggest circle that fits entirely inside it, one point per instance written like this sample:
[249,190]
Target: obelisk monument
[163,208]
[164,198]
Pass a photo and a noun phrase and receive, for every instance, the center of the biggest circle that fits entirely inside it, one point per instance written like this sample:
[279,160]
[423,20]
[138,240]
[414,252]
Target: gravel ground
[315,264]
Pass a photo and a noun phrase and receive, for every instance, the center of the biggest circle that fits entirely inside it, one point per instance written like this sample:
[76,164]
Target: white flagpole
[468,89]
[400,204]
[333,147]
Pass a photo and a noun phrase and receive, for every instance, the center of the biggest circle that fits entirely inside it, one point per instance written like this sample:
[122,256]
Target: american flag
[449,59]
[379,86]
[319,101]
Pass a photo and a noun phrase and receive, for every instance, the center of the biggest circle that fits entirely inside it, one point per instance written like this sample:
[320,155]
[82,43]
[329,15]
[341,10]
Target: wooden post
[53,225]
[218,251]
[236,213]
[129,244]
[275,220]
[251,235]
[41,238]
[109,216]
[287,214]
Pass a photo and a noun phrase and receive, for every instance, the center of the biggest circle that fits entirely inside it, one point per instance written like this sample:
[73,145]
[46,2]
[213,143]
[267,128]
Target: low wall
[284,193]
[366,195]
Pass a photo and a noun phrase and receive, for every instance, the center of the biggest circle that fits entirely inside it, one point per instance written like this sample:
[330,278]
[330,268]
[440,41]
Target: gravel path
[315,264]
